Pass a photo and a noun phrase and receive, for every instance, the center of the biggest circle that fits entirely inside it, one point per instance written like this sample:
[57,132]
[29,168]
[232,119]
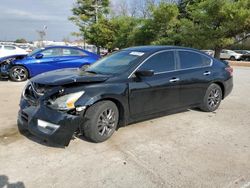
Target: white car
[230,54]
[8,50]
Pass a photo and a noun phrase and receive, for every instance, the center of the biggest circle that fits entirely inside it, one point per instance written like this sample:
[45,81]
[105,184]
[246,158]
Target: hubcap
[106,122]
[214,98]
[19,74]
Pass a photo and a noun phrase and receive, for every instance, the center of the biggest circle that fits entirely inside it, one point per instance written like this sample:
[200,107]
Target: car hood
[68,76]
[12,58]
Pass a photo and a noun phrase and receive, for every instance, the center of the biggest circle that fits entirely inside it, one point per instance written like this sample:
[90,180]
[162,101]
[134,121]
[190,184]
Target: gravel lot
[189,149]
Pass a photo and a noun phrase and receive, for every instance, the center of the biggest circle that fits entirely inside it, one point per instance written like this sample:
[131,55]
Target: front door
[157,93]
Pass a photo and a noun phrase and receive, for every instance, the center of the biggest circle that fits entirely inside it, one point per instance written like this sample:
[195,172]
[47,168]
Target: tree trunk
[98,50]
[217,52]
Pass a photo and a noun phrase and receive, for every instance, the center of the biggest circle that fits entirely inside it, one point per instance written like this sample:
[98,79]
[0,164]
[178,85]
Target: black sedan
[131,85]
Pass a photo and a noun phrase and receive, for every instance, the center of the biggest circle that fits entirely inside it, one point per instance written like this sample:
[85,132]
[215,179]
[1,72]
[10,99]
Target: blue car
[21,67]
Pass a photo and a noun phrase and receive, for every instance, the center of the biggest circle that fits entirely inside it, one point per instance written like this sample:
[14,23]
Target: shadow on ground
[15,135]
[4,183]
[40,141]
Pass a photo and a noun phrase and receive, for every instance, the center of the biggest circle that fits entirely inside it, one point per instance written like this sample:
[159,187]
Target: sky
[22,18]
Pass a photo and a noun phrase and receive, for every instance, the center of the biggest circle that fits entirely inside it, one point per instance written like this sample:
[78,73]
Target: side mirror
[144,73]
[39,56]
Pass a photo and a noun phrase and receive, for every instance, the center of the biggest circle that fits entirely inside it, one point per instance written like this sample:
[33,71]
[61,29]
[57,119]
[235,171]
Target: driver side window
[161,62]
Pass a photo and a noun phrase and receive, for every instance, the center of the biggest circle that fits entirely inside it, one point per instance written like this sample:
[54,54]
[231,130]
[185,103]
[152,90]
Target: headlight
[66,102]
[24,89]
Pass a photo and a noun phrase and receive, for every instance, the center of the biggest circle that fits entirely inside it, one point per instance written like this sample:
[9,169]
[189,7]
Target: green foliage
[101,34]
[159,28]
[125,28]
[21,40]
[84,11]
[86,14]
[194,23]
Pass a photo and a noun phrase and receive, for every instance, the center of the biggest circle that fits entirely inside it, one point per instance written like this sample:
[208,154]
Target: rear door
[72,58]
[160,92]
[195,73]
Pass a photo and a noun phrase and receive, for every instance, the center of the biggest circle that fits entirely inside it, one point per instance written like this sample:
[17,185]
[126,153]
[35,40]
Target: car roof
[72,47]
[153,48]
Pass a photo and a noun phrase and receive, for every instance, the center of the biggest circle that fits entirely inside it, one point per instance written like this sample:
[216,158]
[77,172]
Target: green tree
[101,34]
[21,40]
[160,27]
[217,24]
[86,14]
[124,31]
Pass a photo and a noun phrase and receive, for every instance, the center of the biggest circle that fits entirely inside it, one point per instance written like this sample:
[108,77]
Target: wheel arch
[222,87]
[21,65]
[123,114]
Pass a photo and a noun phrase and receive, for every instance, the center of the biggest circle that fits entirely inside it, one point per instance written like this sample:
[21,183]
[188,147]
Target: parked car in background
[245,54]
[8,50]
[21,67]
[231,55]
[209,52]
[27,48]
[131,85]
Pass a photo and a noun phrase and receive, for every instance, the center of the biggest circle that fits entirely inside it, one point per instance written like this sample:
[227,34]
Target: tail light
[229,70]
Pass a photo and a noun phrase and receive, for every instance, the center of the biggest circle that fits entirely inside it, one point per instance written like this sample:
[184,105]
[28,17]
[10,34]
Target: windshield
[116,63]
[34,51]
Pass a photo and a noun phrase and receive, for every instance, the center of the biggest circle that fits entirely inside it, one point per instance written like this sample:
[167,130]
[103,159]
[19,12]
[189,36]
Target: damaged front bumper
[7,62]
[4,70]
[48,124]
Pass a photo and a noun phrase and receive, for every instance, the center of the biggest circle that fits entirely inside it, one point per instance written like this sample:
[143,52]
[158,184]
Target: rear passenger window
[73,52]
[193,60]
[160,62]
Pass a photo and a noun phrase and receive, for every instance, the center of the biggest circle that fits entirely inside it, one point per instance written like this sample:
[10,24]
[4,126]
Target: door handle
[206,73]
[174,80]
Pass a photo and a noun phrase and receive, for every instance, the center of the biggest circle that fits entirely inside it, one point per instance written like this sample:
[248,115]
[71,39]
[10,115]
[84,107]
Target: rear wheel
[18,73]
[101,121]
[212,98]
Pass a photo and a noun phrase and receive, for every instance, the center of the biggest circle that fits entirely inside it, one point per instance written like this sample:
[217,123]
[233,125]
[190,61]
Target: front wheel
[101,121]
[18,73]
[232,58]
[212,98]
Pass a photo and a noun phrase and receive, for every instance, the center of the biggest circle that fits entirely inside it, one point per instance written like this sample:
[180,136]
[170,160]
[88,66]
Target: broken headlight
[66,102]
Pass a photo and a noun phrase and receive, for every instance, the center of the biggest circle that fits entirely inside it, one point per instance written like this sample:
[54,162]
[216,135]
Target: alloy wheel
[214,98]
[106,122]
[19,74]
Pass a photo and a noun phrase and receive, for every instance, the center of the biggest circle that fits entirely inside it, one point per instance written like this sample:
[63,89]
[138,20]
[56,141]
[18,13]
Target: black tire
[232,58]
[212,98]
[100,121]
[18,74]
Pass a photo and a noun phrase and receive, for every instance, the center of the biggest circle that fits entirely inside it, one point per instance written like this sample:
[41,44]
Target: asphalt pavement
[188,149]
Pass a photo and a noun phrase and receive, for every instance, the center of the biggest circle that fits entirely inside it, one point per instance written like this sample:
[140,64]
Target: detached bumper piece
[48,124]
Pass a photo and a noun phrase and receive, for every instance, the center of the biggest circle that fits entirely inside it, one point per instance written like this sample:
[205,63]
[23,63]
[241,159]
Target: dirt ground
[189,149]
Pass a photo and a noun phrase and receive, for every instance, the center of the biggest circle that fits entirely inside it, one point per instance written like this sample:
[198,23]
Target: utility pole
[42,34]
[97,6]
